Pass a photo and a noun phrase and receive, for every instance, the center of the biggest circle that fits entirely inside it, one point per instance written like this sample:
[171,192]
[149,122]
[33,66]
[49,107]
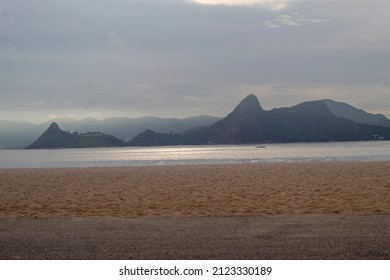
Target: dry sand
[204,190]
[324,210]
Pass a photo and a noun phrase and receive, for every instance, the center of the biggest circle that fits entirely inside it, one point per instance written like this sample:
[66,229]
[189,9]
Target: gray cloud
[181,58]
[268,4]
[294,19]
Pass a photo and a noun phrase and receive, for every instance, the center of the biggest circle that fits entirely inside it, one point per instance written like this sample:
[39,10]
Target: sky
[181,58]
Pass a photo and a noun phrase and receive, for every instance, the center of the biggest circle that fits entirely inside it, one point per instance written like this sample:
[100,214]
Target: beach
[188,202]
[196,190]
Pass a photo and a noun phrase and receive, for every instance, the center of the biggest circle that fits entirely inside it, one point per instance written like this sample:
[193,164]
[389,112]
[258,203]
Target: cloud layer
[180,58]
[270,4]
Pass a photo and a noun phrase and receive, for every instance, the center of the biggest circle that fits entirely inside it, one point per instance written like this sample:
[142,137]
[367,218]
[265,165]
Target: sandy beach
[51,207]
[203,190]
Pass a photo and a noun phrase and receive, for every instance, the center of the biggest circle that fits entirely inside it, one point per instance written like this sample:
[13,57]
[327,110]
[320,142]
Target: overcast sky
[180,58]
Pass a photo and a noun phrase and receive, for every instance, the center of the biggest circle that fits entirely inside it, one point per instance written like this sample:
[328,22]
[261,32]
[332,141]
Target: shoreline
[271,162]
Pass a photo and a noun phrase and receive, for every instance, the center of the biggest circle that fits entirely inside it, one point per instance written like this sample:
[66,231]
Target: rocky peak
[243,125]
[53,127]
[249,104]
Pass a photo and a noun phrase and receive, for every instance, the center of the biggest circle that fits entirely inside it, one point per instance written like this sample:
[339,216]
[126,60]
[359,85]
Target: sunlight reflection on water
[141,156]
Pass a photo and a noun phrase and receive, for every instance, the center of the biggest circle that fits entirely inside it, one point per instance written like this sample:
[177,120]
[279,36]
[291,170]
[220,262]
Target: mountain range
[312,121]
[17,135]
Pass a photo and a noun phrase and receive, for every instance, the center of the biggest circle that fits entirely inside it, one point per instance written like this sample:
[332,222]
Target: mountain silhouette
[312,121]
[349,112]
[54,138]
[245,124]
[308,122]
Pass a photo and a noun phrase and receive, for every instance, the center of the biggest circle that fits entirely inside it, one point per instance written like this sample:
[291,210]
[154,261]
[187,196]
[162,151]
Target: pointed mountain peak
[243,125]
[249,104]
[53,127]
[251,99]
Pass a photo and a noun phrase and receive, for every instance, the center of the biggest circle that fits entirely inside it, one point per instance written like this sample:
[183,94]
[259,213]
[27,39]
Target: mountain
[245,124]
[312,121]
[242,125]
[54,138]
[127,128]
[152,138]
[14,135]
[308,122]
[248,123]
[349,112]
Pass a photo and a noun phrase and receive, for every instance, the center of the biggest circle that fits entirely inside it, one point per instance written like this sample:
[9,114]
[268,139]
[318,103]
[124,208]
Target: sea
[195,155]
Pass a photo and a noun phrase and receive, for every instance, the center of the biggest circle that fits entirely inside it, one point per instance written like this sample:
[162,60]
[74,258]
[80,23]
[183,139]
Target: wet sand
[264,237]
[254,211]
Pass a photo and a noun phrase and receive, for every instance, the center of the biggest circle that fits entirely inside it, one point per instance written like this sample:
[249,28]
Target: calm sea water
[180,155]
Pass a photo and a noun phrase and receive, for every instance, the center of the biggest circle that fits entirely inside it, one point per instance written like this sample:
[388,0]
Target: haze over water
[181,155]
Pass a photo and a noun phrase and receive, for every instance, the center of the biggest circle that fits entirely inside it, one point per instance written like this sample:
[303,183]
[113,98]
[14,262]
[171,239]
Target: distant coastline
[248,123]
